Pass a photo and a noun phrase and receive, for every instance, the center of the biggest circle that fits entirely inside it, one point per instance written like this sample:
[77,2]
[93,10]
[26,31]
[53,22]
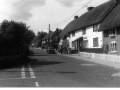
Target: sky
[38,14]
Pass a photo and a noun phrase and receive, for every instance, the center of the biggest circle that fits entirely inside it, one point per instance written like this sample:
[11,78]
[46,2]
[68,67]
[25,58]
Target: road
[53,70]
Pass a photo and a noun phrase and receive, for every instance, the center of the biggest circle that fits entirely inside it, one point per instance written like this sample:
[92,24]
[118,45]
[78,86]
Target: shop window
[85,44]
[95,42]
[113,46]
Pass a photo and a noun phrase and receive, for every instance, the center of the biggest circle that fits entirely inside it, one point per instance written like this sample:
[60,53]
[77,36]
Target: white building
[83,31]
[91,38]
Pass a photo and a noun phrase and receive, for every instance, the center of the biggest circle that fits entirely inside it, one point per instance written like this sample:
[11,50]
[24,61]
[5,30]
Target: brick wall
[108,40]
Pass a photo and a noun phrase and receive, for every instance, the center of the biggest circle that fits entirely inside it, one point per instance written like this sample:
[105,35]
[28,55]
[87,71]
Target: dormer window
[73,34]
[95,27]
[83,31]
[112,33]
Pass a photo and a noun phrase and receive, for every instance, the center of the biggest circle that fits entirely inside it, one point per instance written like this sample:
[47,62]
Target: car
[51,51]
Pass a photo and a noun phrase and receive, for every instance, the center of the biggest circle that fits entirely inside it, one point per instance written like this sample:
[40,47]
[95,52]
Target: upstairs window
[95,27]
[95,42]
[112,33]
[73,34]
[113,46]
[83,31]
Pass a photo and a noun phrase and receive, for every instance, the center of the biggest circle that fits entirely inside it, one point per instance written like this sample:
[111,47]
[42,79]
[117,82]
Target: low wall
[92,50]
[107,57]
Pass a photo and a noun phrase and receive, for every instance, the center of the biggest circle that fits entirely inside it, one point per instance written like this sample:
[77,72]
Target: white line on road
[32,74]
[33,77]
[23,72]
[31,71]
[36,83]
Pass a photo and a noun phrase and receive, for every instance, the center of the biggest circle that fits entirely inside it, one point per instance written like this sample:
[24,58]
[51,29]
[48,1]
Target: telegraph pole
[48,35]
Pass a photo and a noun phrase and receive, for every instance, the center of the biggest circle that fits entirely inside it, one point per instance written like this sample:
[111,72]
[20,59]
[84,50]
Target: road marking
[23,68]
[32,74]
[31,71]
[36,83]
[23,72]
[33,77]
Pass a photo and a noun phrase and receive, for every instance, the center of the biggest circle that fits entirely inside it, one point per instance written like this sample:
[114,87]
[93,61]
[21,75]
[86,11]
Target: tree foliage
[14,34]
[41,36]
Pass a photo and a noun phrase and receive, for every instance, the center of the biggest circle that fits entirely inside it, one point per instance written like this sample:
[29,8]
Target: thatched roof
[35,39]
[112,20]
[66,29]
[50,36]
[94,16]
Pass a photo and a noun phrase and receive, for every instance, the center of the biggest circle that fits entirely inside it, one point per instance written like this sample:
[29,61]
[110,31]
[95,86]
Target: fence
[107,57]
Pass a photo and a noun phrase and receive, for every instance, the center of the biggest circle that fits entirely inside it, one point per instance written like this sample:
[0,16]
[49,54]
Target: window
[83,31]
[85,44]
[73,34]
[95,42]
[112,32]
[95,28]
[113,46]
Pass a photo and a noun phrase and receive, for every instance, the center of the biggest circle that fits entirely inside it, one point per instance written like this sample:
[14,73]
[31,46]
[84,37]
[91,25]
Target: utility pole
[48,35]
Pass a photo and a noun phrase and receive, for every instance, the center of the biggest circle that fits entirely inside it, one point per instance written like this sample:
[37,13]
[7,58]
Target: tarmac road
[53,70]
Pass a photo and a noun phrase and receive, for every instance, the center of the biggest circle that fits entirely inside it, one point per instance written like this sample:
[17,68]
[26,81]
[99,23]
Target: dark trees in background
[41,36]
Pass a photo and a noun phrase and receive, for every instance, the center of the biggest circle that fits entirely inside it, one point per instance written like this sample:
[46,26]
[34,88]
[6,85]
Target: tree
[41,36]
[15,34]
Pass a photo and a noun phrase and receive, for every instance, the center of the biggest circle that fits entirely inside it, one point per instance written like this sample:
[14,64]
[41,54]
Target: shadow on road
[17,63]
[42,62]
[37,54]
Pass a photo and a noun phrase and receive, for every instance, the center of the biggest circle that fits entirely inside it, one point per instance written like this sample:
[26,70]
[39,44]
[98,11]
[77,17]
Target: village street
[53,70]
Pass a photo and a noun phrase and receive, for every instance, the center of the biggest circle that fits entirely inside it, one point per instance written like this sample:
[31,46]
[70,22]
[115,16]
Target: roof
[62,34]
[52,35]
[49,36]
[112,20]
[94,16]
[35,39]
[66,29]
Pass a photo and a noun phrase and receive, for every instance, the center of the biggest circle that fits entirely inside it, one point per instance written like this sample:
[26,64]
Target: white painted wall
[89,35]
[77,35]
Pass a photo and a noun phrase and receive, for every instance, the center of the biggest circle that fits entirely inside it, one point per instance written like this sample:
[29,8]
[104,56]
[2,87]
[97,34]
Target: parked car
[51,50]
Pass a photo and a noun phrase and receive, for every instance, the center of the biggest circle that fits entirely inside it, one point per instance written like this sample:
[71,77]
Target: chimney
[75,17]
[90,8]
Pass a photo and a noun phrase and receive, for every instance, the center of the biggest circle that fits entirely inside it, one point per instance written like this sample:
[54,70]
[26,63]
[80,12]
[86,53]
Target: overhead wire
[2,10]
[74,13]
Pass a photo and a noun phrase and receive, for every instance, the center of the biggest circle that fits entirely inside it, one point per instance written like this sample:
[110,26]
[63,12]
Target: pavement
[103,62]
